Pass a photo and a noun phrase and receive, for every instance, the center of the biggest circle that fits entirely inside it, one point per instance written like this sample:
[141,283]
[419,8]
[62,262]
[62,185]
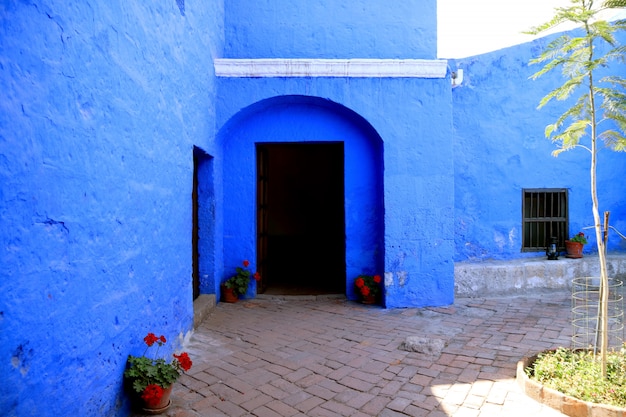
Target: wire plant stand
[586,328]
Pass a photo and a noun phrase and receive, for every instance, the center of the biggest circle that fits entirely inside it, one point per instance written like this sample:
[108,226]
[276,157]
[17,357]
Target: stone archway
[303,119]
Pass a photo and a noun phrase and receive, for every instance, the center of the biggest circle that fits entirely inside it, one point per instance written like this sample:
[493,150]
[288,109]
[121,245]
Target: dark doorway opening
[300,222]
[203,226]
[195,270]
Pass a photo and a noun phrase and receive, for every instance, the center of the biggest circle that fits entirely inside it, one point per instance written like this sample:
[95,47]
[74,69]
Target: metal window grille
[544,215]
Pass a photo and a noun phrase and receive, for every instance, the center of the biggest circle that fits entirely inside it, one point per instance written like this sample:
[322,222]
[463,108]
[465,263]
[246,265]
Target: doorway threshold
[302,297]
[282,288]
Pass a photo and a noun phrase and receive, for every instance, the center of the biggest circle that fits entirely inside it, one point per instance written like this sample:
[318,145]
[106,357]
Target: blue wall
[100,106]
[103,105]
[413,119]
[305,119]
[500,148]
[331,29]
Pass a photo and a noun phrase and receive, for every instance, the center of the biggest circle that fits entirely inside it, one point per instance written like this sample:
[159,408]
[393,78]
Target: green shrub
[579,375]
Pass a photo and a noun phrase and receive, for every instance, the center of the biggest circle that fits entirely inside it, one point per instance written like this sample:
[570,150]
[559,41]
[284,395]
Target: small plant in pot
[152,378]
[575,245]
[368,287]
[237,285]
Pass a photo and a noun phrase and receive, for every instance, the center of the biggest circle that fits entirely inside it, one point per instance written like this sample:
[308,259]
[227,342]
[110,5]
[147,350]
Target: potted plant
[237,285]
[574,246]
[152,378]
[368,287]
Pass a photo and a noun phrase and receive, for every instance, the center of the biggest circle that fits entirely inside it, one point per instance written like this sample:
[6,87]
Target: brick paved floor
[332,357]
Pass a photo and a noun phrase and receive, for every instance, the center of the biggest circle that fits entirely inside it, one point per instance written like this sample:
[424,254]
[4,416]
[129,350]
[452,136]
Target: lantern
[551,250]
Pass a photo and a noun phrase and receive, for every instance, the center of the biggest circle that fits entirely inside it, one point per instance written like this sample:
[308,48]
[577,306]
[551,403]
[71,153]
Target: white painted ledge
[350,68]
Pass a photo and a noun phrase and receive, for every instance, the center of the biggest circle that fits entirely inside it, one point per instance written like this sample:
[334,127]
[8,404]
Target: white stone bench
[519,276]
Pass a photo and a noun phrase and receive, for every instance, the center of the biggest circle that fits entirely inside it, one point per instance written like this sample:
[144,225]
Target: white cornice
[364,68]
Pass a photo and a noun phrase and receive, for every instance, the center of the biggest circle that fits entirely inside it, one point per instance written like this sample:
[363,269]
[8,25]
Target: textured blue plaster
[331,29]
[206,221]
[304,119]
[100,105]
[500,148]
[413,119]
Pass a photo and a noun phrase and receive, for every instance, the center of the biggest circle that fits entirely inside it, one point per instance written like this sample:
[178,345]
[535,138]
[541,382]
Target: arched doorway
[286,126]
[300,218]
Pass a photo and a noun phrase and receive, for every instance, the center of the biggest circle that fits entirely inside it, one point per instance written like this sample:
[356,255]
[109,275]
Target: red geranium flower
[368,285]
[149,375]
[150,339]
[246,263]
[257,276]
[152,395]
[184,361]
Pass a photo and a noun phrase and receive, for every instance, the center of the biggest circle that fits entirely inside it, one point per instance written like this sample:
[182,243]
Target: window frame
[545,222]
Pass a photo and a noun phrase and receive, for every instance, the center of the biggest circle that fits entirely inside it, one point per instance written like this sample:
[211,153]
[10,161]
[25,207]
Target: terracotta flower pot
[574,249]
[161,406]
[368,299]
[228,294]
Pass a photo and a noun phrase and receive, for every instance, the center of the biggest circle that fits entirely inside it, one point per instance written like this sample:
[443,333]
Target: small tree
[601,101]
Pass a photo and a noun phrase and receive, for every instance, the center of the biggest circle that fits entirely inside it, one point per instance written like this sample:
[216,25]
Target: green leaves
[576,57]
[615,3]
[579,375]
[600,102]
[143,371]
[240,281]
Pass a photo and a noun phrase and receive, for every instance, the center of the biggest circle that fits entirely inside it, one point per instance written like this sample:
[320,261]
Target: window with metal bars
[544,215]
